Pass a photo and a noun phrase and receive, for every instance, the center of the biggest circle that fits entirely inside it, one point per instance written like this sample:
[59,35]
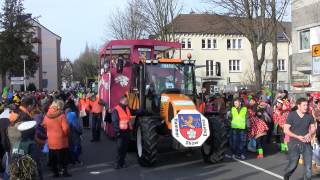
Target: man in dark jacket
[121,117]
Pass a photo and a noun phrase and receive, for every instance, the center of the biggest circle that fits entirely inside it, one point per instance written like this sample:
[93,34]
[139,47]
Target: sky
[81,22]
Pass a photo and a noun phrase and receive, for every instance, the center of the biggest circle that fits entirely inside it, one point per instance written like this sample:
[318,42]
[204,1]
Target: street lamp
[24,58]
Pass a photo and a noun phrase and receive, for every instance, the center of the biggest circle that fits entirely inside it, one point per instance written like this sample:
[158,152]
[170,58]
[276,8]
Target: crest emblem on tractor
[190,128]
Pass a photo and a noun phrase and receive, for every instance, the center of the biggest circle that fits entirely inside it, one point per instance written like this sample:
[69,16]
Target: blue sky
[82,21]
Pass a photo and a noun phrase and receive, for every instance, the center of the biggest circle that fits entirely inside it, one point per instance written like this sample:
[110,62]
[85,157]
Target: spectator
[300,127]
[26,146]
[74,136]
[239,126]
[57,128]
[258,129]
[28,104]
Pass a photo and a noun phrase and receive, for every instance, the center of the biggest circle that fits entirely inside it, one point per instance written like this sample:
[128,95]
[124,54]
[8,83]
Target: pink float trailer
[161,90]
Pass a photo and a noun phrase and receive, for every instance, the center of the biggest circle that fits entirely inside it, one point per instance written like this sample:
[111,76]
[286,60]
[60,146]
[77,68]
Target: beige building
[48,48]
[223,56]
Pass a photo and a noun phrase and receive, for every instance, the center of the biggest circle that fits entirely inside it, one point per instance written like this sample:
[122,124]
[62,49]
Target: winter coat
[41,135]
[75,128]
[57,127]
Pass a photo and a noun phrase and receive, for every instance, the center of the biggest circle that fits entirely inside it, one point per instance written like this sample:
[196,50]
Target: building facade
[46,45]
[223,56]
[48,49]
[305,33]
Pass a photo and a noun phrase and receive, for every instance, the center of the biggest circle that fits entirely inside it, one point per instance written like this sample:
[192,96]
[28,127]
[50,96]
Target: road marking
[259,168]
[165,167]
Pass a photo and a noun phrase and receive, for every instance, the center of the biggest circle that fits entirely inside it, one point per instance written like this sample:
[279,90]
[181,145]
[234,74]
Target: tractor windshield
[166,76]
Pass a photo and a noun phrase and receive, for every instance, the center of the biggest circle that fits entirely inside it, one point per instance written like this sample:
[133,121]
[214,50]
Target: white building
[213,43]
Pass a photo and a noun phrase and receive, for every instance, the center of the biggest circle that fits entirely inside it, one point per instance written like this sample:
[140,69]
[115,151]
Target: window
[234,65]
[234,43]
[281,65]
[239,43]
[214,41]
[183,43]
[228,43]
[203,44]
[209,43]
[305,40]
[189,43]
[209,67]
[218,68]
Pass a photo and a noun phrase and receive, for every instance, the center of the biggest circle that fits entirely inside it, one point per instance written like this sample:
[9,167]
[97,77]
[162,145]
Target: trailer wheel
[147,140]
[214,148]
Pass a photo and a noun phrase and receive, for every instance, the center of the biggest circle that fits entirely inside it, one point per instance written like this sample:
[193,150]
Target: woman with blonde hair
[56,124]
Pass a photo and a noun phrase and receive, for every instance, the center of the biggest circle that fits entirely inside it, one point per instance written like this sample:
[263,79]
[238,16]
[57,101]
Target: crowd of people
[255,120]
[37,125]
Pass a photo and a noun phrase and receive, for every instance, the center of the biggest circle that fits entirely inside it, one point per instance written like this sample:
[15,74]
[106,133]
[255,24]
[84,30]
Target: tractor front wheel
[147,140]
[214,148]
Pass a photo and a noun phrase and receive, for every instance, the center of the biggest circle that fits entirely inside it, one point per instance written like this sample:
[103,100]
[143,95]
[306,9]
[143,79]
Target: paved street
[98,164]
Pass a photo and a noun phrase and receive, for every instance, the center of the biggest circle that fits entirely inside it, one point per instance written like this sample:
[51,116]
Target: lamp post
[24,58]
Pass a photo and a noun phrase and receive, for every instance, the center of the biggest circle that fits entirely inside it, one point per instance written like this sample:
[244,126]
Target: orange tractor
[161,91]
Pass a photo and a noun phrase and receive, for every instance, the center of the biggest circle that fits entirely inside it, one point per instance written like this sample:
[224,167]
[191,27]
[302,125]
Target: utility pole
[24,58]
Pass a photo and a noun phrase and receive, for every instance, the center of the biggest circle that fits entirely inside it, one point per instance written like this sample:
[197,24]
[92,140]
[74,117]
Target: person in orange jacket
[84,110]
[57,127]
[96,107]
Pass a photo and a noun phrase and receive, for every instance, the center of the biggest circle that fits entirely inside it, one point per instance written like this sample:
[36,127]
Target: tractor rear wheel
[214,148]
[147,140]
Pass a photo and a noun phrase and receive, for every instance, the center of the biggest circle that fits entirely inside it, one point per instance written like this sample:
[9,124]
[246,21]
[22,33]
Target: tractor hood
[171,104]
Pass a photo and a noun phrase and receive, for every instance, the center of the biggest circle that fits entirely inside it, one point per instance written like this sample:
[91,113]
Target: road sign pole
[24,75]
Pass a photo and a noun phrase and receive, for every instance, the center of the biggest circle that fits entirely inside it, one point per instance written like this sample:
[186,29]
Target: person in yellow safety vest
[121,117]
[239,125]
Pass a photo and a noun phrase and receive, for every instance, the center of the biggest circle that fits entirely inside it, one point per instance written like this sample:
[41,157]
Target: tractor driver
[152,94]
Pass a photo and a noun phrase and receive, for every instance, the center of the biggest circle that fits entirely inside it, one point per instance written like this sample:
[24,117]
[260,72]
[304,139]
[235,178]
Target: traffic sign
[17,82]
[16,78]
[316,65]
[316,50]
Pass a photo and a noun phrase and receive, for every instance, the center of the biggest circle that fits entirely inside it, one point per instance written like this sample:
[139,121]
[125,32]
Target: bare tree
[277,12]
[66,71]
[252,19]
[159,16]
[87,65]
[128,23]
